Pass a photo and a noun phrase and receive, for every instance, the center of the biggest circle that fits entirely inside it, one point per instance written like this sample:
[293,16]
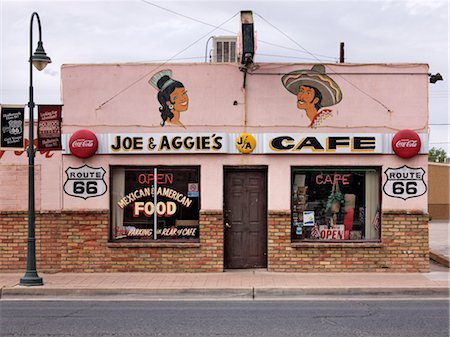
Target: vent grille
[224,49]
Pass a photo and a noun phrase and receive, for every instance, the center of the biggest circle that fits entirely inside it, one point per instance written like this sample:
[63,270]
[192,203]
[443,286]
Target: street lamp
[39,59]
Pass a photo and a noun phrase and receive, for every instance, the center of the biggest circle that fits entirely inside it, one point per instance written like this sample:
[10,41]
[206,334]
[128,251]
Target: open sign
[333,233]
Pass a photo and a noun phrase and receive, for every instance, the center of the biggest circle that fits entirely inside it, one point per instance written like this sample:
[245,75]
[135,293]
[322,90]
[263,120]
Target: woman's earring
[170,106]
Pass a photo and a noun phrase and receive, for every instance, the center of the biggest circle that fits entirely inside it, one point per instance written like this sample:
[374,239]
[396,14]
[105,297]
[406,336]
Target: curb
[296,293]
[22,293]
[439,258]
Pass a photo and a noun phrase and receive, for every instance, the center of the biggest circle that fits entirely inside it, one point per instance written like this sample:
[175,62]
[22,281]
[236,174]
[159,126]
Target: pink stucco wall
[130,104]
[14,180]
[117,98]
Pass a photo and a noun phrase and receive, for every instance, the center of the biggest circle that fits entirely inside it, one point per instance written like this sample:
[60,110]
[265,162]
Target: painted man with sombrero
[315,90]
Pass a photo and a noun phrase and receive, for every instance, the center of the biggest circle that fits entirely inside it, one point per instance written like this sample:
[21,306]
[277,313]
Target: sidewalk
[239,285]
[254,284]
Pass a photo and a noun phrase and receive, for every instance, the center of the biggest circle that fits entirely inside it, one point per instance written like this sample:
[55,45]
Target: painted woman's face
[306,97]
[179,99]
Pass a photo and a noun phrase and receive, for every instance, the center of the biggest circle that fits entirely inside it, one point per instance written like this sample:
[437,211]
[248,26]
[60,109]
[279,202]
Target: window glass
[338,204]
[177,203]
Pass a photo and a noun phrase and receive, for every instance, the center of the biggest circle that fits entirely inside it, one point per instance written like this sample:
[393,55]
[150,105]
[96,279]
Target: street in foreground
[358,318]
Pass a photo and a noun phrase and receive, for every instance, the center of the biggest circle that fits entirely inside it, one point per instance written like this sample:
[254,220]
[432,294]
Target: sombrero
[316,78]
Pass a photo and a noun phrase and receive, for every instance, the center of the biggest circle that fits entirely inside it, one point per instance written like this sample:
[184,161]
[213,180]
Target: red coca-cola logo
[406,143]
[83,144]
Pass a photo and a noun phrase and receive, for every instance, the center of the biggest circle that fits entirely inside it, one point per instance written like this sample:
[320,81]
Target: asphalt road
[360,318]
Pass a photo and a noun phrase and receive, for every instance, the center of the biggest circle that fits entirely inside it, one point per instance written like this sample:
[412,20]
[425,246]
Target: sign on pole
[12,127]
[49,127]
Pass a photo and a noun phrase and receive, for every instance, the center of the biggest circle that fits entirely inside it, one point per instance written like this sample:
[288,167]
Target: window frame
[307,241]
[149,241]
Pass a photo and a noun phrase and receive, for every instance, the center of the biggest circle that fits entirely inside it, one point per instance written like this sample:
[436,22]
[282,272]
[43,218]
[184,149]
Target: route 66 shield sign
[405,182]
[85,182]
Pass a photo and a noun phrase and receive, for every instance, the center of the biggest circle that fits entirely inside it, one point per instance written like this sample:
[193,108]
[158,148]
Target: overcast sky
[389,31]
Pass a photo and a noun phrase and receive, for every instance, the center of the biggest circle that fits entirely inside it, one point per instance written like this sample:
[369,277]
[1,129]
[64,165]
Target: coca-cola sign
[406,144]
[83,144]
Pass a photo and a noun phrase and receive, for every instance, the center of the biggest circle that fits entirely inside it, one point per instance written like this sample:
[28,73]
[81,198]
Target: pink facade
[373,100]
[264,106]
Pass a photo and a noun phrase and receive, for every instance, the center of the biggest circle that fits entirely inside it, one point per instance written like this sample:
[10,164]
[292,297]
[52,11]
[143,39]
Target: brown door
[245,214]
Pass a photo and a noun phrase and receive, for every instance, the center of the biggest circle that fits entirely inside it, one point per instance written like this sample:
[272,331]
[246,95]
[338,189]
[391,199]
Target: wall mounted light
[435,78]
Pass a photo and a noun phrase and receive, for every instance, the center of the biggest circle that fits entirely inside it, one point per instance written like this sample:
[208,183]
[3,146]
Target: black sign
[12,120]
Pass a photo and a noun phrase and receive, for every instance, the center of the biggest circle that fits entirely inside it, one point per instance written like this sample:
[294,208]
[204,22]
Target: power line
[289,38]
[334,59]
[174,59]
[159,66]
[307,51]
[286,56]
[185,16]
[229,31]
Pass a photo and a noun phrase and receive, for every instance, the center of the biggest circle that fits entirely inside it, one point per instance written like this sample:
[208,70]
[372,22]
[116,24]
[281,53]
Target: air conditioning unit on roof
[224,49]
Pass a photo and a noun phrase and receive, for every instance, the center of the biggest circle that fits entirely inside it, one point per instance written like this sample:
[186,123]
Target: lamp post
[39,59]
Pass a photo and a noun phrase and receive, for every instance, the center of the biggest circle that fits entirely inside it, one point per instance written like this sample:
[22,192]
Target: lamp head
[435,78]
[40,58]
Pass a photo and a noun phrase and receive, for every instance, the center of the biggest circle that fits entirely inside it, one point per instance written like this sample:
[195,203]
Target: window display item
[308,218]
[349,209]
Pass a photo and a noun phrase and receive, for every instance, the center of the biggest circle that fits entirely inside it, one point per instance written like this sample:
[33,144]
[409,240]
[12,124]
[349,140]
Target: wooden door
[245,216]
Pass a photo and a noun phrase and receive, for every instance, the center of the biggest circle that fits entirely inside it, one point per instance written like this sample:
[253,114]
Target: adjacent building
[439,192]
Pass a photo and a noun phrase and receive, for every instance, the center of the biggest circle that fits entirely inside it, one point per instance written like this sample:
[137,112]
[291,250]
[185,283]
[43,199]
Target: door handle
[227,216]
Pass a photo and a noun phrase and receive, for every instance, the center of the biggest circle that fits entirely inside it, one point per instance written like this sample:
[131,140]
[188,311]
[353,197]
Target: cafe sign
[244,143]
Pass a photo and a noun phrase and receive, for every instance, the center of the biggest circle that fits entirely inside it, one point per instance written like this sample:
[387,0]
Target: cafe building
[217,166]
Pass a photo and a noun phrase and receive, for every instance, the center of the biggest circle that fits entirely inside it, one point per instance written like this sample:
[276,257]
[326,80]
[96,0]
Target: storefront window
[335,204]
[175,207]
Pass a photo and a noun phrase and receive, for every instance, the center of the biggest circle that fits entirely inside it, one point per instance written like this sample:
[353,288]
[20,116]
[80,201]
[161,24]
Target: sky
[301,31]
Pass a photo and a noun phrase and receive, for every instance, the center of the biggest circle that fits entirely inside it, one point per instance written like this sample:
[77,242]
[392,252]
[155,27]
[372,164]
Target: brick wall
[73,241]
[403,248]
